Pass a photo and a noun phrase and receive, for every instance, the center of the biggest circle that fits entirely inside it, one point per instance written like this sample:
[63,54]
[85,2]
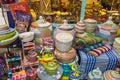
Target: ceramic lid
[81,23]
[64,37]
[90,21]
[96,73]
[43,23]
[109,24]
[52,64]
[65,26]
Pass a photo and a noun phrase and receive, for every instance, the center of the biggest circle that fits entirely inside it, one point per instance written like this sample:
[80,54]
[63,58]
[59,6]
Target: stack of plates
[8,37]
[106,61]
[116,45]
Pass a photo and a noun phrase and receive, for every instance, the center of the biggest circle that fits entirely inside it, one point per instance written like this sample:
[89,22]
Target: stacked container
[64,36]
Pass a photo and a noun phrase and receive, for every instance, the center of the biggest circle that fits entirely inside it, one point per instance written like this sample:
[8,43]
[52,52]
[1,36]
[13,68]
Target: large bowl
[9,40]
[7,34]
[26,36]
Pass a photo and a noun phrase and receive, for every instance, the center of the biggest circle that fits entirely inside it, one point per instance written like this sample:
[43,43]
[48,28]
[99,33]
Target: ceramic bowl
[26,36]
[67,57]
[9,40]
[7,35]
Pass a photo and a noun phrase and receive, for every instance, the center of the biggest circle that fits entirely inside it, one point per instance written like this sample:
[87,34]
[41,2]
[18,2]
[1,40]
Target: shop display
[50,50]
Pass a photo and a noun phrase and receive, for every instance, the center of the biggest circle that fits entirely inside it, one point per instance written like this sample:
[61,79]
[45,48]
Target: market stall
[59,40]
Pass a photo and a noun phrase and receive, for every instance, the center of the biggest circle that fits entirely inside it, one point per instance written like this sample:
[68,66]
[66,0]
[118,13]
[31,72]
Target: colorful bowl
[9,40]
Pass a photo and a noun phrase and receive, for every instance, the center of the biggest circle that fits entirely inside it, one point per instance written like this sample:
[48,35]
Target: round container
[66,28]
[80,27]
[90,25]
[95,74]
[111,75]
[63,41]
[32,56]
[51,68]
[10,40]
[26,36]
[41,29]
[67,57]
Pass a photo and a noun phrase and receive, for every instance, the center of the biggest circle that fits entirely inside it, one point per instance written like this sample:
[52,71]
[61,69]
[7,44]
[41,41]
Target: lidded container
[51,67]
[41,29]
[63,41]
[64,36]
[80,27]
[65,27]
[90,25]
[109,27]
[95,74]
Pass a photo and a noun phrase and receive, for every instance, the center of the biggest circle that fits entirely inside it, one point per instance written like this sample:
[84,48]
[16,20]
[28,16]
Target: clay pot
[67,57]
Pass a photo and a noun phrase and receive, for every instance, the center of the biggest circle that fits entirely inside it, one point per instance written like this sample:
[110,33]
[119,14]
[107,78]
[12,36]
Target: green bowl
[9,40]
[7,35]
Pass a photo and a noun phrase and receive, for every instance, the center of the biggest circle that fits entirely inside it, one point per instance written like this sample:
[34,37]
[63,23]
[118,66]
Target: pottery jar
[95,74]
[32,56]
[42,30]
[80,27]
[65,27]
[51,68]
[108,28]
[90,25]
[67,57]
[63,41]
